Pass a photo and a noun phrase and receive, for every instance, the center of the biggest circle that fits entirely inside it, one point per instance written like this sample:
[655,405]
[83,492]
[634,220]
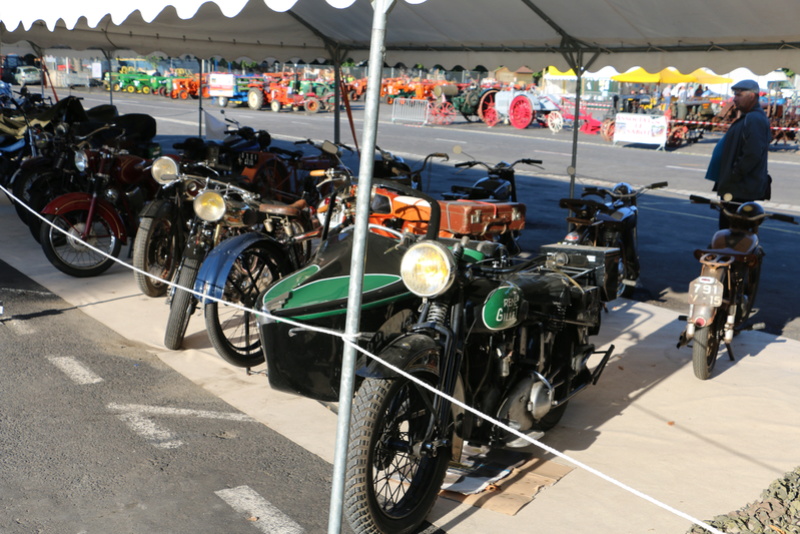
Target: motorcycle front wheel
[705,348]
[182,305]
[69,253]
[232,330]
[155,251]
[392,483]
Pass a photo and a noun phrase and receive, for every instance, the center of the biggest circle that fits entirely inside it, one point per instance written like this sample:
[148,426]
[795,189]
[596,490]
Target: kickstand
[730,351]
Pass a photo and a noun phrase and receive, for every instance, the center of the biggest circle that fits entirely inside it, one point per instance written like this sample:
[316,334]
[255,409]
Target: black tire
[747,299]
[704,349]
[623,290]
[182,305]
[156,251]
[233,331]
[255,99]
[69,254]
[389,418]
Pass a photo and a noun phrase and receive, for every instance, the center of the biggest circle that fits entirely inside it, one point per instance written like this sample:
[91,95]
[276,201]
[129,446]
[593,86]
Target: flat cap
[746,85]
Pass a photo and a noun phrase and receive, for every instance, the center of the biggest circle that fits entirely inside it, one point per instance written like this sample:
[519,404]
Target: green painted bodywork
[501,307]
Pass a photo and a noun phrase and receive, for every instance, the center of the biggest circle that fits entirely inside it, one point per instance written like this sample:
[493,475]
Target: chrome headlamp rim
[428,269]
[81,160]
[164,170]
[209,206]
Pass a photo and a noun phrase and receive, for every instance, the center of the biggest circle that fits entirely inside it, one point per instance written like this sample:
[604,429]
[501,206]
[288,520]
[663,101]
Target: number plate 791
[706,291]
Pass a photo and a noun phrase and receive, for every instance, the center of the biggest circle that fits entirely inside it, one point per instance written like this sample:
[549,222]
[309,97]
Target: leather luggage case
[479,218]
[474,218]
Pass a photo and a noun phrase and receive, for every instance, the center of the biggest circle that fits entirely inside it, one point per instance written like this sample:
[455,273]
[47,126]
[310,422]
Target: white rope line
[351,341]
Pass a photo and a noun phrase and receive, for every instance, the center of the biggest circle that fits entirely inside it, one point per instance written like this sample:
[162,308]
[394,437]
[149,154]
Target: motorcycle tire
[69,254]
[389,489]
[155,251]
[234,332]
[747,298]
[182,306]
[623,290]
[705,348]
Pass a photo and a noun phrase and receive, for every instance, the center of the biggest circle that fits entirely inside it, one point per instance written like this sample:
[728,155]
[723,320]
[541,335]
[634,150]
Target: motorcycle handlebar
[782,217]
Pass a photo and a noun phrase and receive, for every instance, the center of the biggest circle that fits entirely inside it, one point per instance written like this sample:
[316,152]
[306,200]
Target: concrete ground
[701,447]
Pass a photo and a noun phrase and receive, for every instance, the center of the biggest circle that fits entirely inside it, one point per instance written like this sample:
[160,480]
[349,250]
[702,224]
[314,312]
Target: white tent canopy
[687,34]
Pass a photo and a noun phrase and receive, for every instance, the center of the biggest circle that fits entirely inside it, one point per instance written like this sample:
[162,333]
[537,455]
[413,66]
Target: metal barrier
[411,110]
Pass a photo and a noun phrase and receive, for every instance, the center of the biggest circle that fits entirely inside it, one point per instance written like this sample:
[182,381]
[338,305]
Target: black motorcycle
[510,338]
[605,217]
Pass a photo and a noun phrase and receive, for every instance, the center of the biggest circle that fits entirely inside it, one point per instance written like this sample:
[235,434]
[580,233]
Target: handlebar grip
[532,161]
[699,200]
[317,173]
[659,185]
[782,217]
[465,164]
[441,155]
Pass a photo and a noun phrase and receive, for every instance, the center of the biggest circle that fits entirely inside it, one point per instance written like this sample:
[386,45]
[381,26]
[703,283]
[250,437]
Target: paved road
[98,435]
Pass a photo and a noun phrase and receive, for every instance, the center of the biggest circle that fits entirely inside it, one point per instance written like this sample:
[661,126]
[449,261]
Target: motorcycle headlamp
[81,160]
[209,206]
[428,269]
[164,170]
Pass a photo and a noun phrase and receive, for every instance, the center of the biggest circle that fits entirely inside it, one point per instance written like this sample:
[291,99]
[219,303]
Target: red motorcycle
[87,229]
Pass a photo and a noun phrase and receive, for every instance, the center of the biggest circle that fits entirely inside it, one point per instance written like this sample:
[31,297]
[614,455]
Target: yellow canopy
[668,75]
[706,77]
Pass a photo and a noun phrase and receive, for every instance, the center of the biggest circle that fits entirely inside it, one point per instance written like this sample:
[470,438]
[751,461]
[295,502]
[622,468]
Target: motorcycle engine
[527,402]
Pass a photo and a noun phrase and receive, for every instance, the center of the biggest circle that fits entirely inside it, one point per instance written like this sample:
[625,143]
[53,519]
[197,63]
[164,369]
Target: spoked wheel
[747,298]
[155,251]
[705,347]
[233,331]
[677,135]
[520,112]
[182,306]
[392,482]
[72,255]
[555,121]
[607,129]
[485,104]
[443,113]
[623,289]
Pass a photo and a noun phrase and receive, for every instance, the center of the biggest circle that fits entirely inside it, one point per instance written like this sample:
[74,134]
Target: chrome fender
[213,273]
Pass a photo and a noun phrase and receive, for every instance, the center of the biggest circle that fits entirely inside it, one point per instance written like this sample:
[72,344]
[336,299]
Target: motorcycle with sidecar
[507,336]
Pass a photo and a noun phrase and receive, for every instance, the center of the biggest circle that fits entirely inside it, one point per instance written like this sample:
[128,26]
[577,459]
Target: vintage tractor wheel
[183,95]
[275,106]
[607,129]
[485,104]
[555,121]
[676,135]
[255,98]
[145,89]
[312,105]
[443,113]
[222,101]
[130,89]
[116,87]
[520,112]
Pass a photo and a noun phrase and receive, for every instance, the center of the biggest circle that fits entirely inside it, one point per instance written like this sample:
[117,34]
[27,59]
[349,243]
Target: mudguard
[401,354]
[215,268]
[82,201]
[13,147]
[158,208]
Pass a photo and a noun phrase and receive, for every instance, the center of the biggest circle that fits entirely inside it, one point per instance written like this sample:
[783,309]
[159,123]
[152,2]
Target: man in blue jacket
[743,173]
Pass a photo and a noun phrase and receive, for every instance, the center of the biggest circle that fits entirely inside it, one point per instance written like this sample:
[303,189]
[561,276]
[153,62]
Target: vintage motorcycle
[509,337]
[104,216]
[500,183]
[721,299]
[221,210]
[609,219]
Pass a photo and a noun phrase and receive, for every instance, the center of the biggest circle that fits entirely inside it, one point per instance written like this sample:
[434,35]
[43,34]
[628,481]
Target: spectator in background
[741,164]
[666,96]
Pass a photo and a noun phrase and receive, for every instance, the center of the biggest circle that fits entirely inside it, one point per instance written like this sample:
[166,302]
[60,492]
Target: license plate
[706,291]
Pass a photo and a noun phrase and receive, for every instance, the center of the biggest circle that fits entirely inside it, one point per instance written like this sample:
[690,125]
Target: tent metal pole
[366,166]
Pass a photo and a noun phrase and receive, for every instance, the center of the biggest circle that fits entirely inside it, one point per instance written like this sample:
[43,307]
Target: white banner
[640,128]
[221,84]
